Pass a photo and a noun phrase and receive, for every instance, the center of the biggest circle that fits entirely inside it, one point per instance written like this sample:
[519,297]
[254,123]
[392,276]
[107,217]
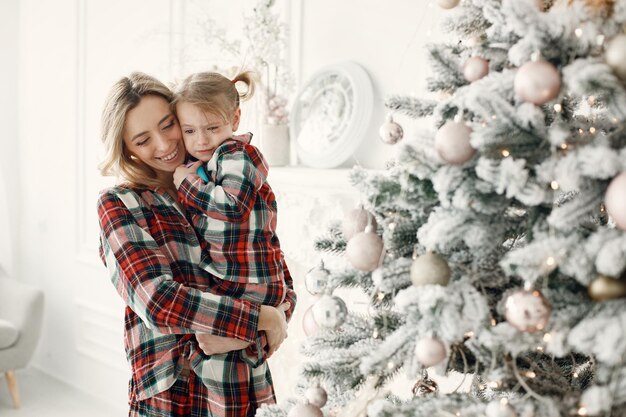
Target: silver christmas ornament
[429,351]
[475,68]
[615,200]
[499,408]
[316,396]
[356,220]
[615,55]
[448,4]
[452,143]
[330,312]
[425,386]
[305,410]
[537,82]
[309,325]
[430,269]
[316,280]
[527,310]
[364,251]
[390,131]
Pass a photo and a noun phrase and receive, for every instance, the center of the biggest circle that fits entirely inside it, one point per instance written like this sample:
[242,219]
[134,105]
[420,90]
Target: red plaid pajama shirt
[153,257]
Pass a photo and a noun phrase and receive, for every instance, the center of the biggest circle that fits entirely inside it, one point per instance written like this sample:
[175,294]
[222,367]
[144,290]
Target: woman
[152,255]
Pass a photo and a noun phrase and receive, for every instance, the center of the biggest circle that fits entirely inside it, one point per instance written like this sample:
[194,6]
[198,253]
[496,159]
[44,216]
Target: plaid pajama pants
[217,386]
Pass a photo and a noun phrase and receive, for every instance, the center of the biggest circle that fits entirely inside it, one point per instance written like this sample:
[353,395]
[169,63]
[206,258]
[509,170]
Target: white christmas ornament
[316,280]
[475,68]
[615,200]
[499,408]
[430,269]
[330,312]
[364,251]
[390,132]
[452,143]
[305,410]
[429,351]
[356,220]
[448,4]
[316,396]
[527,310]
[309,325]
[615,54]
[537,82]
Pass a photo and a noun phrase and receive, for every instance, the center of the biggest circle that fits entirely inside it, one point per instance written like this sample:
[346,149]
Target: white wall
[70,52]
[9,162]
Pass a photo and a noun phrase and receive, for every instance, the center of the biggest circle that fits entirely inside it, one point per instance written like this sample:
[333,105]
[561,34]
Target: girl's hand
[182,171]
[213,345]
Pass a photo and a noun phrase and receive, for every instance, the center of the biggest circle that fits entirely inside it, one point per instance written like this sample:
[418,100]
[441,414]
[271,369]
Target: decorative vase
[274,144]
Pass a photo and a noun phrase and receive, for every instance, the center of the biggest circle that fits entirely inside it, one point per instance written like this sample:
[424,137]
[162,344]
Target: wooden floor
[43,396]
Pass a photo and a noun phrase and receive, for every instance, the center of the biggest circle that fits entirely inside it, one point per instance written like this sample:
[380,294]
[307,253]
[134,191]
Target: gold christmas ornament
[605,288]
[430,269]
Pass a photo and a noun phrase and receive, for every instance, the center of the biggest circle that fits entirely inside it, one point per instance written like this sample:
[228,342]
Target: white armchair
[21,314]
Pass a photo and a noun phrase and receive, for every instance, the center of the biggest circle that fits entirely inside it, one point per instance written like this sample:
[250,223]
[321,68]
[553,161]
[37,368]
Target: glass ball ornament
[452,143]
[430,269]
[430,351]
[309,325]
[448,4]
[305,410]
[475,68]
[364,251]
[614,55]
[499,408]
[355,221]
[317,396]
[537,82]
[527,310]
[316,280]
[604,288]
[390,132]
[330,312]
[615,200]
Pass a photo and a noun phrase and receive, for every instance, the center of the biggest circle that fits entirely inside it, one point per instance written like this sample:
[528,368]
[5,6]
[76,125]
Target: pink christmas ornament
[364,251]
[390,132]
[355,221]
[475,68]
[452,143]
[527,311]
[309,325]
[429,351]
[615,200]
[305,410]
[614,55]
[537,82]
[316,396]
[448,4]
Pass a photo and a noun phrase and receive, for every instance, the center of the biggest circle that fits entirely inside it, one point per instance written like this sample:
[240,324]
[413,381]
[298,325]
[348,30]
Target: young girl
[234,214]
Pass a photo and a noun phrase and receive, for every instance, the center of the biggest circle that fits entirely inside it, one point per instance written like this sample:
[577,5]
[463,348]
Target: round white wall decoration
[331,115]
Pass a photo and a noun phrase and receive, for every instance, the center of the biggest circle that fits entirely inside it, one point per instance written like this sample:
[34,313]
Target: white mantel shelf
[312,179]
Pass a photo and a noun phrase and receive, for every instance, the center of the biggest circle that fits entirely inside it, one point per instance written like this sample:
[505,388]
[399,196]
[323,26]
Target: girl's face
[152,135]
[203,132]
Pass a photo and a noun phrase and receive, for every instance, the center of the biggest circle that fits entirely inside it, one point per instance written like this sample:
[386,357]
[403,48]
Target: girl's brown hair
[124,96]
[214,93]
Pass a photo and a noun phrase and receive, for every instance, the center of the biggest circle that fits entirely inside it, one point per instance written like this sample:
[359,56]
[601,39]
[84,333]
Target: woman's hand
[213,345]
[274,322]
[182,171]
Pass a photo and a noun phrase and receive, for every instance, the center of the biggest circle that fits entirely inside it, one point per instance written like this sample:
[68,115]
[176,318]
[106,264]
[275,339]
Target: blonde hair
[214,93]
[124,96]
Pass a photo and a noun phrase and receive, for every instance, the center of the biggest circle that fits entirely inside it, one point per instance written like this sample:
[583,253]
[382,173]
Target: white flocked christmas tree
[495,246]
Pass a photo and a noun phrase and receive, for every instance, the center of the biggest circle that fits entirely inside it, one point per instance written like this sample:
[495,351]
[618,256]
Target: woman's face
[152,135]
